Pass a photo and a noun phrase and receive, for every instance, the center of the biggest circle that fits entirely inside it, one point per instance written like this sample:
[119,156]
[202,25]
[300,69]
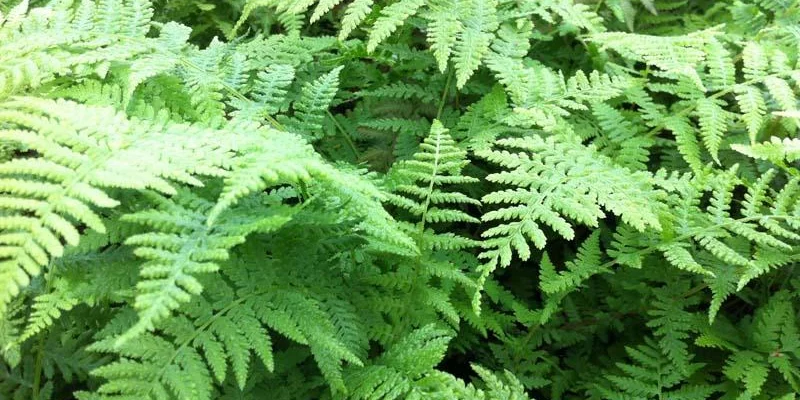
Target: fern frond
[180,246]
[394,373]
[312,107]
[651,376]
[677,55]
[555,178]
[47,308]
[776,150]
[268,94]
[706,239]
[586,264]
[438,163]
[260,167]
[444,26]
[754,108]
[473,40]
[78,157]
[391,17]
[713,124]
[355,13]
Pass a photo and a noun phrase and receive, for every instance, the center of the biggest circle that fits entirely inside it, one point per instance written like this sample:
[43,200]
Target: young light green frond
[444,26]
[322,8]
[354,15]
[755,61]
[776,150]
[206,80]
[678,256]
[579,14]
[472,44]
[721,68]
[81,151]
[267,158]
[173,37]
[713,120]
[543,98]
[268,95]
[678,56]
[753,108]
[439,162]
[781,92]
[586,264]
[312,107]
[52,41]
[542,172]
[391,17]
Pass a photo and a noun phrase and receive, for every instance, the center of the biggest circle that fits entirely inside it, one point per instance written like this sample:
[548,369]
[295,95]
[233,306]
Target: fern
[651,377]
[549,177]
[438,163]
[74,165]
[334,199]
[762,223]
[473,41]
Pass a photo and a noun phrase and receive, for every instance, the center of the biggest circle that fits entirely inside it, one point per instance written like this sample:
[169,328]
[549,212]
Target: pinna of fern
[460,32]
[553,179]
[185,224]
[767,220]
[419,186]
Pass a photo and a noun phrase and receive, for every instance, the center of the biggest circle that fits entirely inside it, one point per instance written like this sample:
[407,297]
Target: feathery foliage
[399,199]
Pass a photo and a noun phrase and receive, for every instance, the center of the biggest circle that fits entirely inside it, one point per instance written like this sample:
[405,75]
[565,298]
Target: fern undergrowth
[401,199]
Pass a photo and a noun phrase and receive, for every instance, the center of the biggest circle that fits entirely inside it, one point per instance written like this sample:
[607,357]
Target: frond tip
[421,180]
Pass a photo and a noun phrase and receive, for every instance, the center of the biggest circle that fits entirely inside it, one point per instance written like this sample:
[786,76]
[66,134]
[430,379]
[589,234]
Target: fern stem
[447,84]
[37,368]
[345,135]
[434,173]
[39,363]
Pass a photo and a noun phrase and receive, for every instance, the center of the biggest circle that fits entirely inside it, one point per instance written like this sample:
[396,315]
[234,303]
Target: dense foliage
[402,199]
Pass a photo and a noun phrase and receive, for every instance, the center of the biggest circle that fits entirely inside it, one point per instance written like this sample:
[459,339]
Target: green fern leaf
[391,17]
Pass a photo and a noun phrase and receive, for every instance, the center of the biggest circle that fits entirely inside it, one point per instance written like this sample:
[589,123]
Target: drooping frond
[397,371]
[554,181]
[80,153]
[706,239]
